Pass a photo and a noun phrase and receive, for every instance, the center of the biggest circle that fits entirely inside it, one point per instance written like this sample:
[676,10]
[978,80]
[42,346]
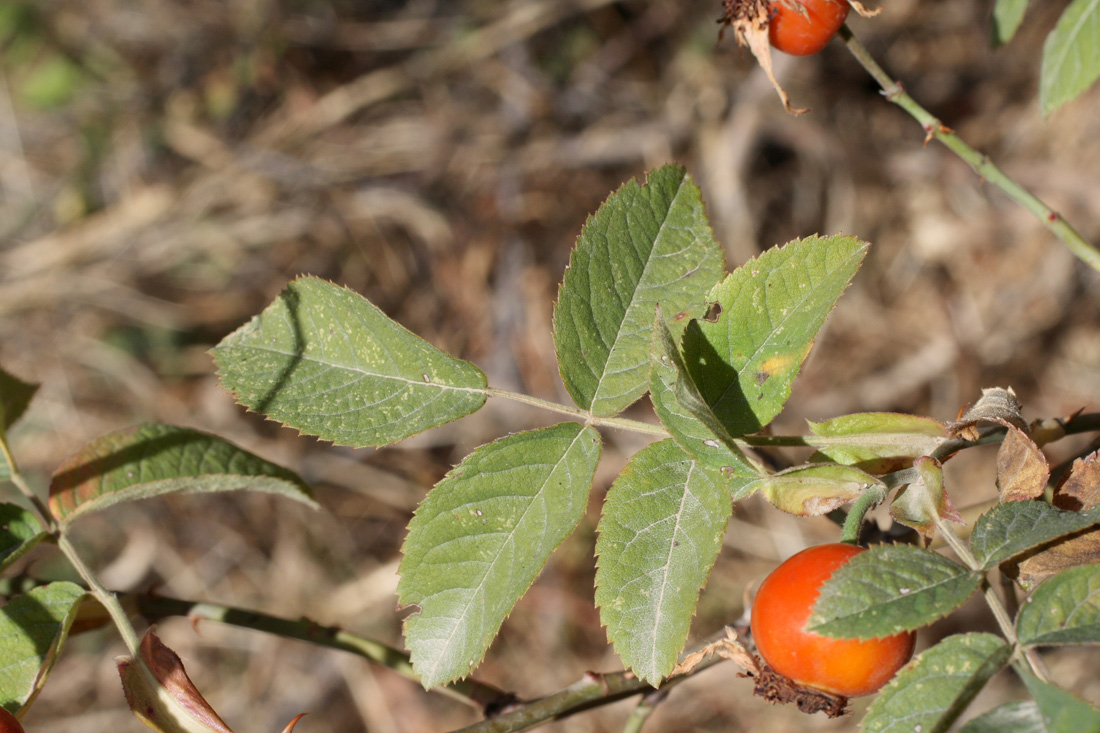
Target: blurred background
[166,167]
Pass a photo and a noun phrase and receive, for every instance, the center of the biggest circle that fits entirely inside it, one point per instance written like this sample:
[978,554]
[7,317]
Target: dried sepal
[749,21]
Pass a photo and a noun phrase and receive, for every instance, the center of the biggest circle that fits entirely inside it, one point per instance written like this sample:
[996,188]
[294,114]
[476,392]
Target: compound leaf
[1063,610]
[33,627]
[659,536]
[646,244]
[481,536]
[890,589]
[930,692]
[1071,55]
[745,359]
[154,459]
[1014,527]
[326,361]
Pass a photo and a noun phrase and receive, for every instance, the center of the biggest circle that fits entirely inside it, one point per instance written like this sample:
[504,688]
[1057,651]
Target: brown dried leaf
[749,20]
[1083,549]
[1080,489]
[1022,469]
[729,648]
[997,405]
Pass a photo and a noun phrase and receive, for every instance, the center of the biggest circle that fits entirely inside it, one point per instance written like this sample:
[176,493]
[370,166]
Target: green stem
[978,161]
[991,598]
[469,691]
[107,599]
[871,497]
[643,710]
[16,477]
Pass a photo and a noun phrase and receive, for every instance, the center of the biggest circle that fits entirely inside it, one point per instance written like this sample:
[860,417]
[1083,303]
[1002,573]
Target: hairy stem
[979,162]
[871,497]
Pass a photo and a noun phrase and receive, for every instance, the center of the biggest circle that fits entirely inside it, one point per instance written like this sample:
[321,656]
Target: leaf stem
[979,162]
[24,488]
[991,598]
[106,598]
[468,691]
[622,423]
[871,497]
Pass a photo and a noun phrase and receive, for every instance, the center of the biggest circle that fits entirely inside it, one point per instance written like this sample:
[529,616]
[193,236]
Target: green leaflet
[745,359]
[659,536]
[1064,609]
[33,628]
[931,692]
[1014,527]
[482,535]
[1071,55]
[889,589]
[326,361]
[646,245]
[154,459]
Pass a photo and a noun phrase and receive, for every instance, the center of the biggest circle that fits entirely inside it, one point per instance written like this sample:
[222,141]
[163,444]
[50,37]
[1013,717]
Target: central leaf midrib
[659,604]
[364,372]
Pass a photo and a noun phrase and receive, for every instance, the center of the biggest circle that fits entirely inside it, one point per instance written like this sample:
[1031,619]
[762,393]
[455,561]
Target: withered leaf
[1082,549]
[1080,489]
[1022,469]
[921,503]
[998,405]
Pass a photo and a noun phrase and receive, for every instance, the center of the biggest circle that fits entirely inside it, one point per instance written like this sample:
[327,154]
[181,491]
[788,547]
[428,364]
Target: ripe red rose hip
[9,723]
[804,27]
[847,667]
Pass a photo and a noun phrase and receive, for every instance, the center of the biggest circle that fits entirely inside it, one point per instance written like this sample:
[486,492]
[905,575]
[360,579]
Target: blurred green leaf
[745,359]
[1013,717]
[890,589]
[33,627]
[52,82]
[326,361]
[1063,610]
[1071,55]
[683,412]
[19,532]
[481,536]
[15,396]
[810,491]
[1062,712]
[932,691]
[153,459]
[1007,15]
[645,245]
[659,536]
[878,442]
[1014,527]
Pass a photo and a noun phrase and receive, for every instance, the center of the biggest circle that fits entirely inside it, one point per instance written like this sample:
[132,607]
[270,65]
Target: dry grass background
[165,167]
